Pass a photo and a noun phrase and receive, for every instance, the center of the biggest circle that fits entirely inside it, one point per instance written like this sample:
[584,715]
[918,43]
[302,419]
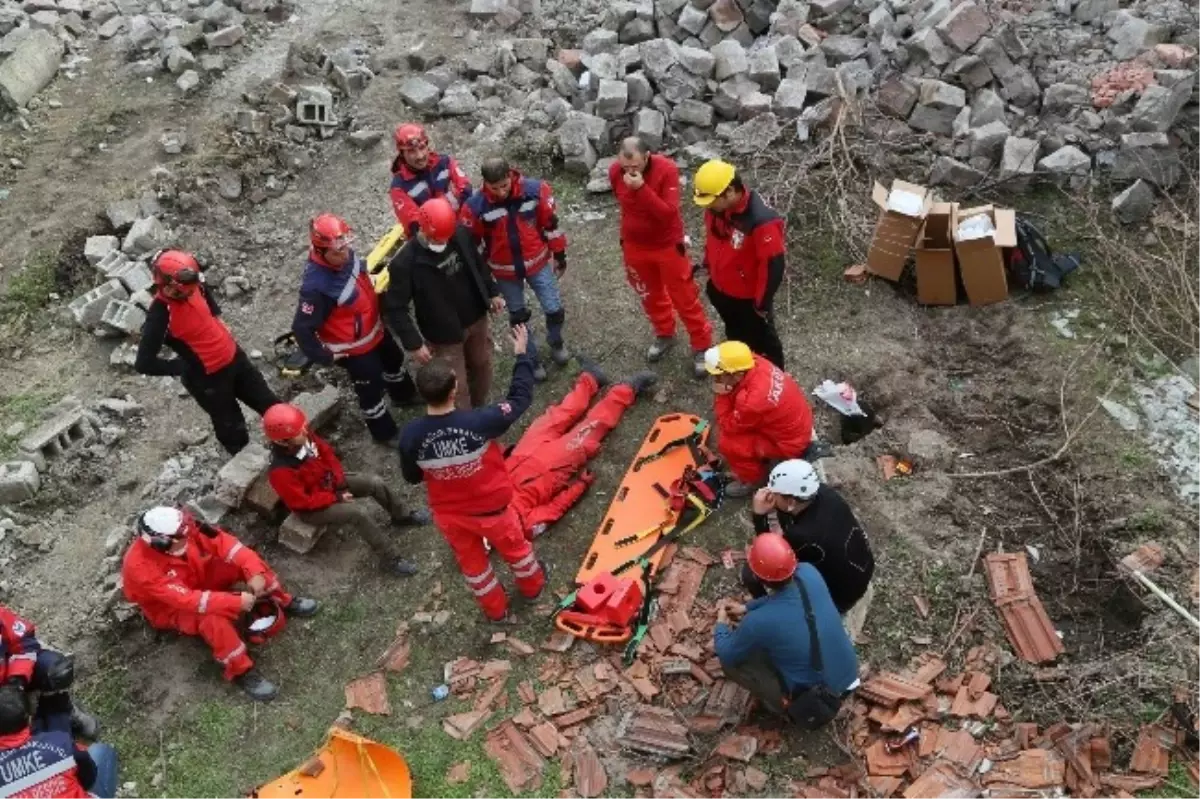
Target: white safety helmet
[161,523]
[795,478]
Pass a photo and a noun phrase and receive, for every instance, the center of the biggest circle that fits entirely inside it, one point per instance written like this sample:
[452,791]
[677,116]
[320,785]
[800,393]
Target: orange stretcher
[639,515]
[347,765]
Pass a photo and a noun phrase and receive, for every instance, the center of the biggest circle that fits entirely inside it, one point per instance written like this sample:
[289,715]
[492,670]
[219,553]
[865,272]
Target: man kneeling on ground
[548,465]
[309,479]
[180,572]
[790,647]
[821,529]
[48,762]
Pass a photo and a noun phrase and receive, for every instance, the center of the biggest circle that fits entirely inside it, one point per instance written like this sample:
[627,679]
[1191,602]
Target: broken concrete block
[579,156]
[134,276]
[419,93]
[730,59]
[941,95]
[189,80]
[239,472]
[67,430]
[319,406]
[612,98]
[254,122]
[314,106]
[649,125]
[19,481]
[933,120]
[88,308]
[299,536]
[32,65]
[207,508]
[225,37]
[1149,157]
[964,26]
[123,316]
[458,100]
[1019,157]
[789,98]
[96,247]
[114,260]
[897,96]
[146,236]
[693,112]
[1068,160]
[987,141]
[1134,204]
[946,171]
[1158,107]
[764,67]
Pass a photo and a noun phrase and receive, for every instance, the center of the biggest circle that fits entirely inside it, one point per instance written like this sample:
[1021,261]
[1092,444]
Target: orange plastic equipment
[348,765]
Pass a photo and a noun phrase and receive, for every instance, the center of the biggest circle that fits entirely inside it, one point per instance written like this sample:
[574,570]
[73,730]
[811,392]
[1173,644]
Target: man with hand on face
[761,414]
[821,529]
[212,367]
[439,272]
[514,219]
[180,572]
[745,255]
[338,321]
[419,175]
[310,481]
[657,267]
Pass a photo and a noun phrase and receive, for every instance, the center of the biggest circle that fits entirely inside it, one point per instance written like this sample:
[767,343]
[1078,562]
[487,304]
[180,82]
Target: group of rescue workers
[469,254]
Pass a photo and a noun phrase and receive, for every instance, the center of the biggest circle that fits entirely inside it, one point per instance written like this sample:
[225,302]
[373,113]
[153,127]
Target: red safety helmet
[328,231]
[771,558]
[175,267]
[410,136]
[437,220]
[282,422]
[265,621]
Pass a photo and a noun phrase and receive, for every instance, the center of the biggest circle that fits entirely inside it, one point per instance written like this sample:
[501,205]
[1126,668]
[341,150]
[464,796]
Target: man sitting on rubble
[310,481]
[821,529]
[790,649]
[548,464]
[181,573]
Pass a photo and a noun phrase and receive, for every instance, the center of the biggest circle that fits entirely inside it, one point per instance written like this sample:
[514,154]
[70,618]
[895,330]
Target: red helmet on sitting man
[175,268]
[410,136]
[283,422]
[330,232]
[437,220]
[771,558]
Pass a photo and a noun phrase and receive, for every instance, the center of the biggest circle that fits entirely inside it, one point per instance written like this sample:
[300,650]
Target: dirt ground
[963,389]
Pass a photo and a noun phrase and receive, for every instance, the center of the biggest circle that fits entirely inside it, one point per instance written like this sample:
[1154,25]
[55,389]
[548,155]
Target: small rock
[188,81]
[419,93]
[365,138]
[226,37]
[229,183]
[173,141]
[1134,204]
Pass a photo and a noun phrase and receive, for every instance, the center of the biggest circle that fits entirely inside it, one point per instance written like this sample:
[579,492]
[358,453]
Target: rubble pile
[1063,89]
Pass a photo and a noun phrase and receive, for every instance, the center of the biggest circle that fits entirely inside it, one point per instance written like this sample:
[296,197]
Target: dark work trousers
[758,676]
[356,514]
[219,392]
[379,373]
[742,323]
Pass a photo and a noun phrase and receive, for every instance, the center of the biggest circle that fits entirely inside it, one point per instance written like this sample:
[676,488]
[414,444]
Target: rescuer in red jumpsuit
[180,573]
[548,465]
[454,452]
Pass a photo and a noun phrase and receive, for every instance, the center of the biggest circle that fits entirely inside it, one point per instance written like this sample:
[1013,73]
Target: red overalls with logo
[765,418]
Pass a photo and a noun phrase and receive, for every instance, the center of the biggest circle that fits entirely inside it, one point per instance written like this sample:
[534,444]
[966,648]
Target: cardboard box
[937,275]
[981,260]
[897,228]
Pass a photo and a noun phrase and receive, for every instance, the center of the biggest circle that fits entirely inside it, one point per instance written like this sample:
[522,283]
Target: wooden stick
[1166,598]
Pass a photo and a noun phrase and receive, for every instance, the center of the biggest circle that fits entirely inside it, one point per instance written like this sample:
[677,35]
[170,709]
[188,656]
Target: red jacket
[412,187]
[740,247]
[308,484]
[164,586]
[765,416]
[650,216]
[519,232]
[19,647]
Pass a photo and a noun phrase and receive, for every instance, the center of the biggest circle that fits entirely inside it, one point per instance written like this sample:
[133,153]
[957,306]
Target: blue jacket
[775,626]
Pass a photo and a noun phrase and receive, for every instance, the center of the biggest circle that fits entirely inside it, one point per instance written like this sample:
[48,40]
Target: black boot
[417,517]
[642,381]
[84,725]
[302,607]
[399,567]
[256,686]
[592,368]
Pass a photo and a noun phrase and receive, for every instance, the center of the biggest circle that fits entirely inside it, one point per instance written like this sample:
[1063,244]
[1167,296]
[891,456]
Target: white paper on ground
[904,202]
[840,396]
[975,227]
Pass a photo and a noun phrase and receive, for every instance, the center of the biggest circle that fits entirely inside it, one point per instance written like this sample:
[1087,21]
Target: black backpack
[1032,265]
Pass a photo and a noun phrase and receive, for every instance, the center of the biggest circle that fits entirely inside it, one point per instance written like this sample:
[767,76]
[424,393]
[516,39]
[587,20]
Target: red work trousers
[545,465]
[662,279]
[742,456]
[220,632]
[466,534]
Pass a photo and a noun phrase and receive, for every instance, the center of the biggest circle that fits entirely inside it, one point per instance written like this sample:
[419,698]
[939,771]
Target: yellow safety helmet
[712,178]
[728,357]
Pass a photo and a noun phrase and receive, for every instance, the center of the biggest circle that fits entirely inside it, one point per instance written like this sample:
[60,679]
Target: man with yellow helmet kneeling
[745,255]
[761,413]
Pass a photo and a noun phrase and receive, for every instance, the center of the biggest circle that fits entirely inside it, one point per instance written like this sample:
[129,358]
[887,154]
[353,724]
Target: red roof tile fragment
[738,747]
[1025,619]
[590,777]
[1151,755]
[942,779]
[520,764]
[889,689]
[369,693]
[1032,769]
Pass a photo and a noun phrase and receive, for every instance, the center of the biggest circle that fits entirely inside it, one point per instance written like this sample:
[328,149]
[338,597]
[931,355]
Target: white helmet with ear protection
[795,478]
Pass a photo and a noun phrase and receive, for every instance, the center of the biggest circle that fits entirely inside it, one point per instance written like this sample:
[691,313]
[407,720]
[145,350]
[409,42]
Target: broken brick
[692,653]
[727,701]
[369,693]
[700,675]
[1151,755]
[881,762]
[313,767]
[458,773]
[525,718]
[660,634]
[977,684]
[577,716]
[526,693]
[656,731]
[462,725]
[1025,732]
[705,725]
[519,763]
[890,689]
[640,778]
[643,686]
[1144,559]
[460,669]
[675,666]
[395,658]
[520,647]
[551,702]
[1101,754]
[965,706]
[487,699]
[494,668]
[1076,750]
[959,747]
[590,777]
[738,747]
[1032,769]
[883,786]
[899,719]
[1130,783]
[558,642]
[926,668]
[545,738]
[941,779]
[698,555]
[679,622]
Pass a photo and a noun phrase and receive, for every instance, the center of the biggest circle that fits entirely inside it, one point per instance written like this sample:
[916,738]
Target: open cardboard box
[937,278]
[981,260]
[897,228]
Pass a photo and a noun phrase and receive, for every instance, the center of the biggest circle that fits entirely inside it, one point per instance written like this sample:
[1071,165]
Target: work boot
[559,355]
[641,381]
[399,567]
[699,370]
[256,686]
[539,373]
[302,607]
[418,517]
[659,348]
[84,725]
[736,489]
[592,368]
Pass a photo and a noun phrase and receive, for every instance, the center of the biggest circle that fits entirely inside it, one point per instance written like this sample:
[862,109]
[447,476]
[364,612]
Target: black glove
[207,529]
[560,259]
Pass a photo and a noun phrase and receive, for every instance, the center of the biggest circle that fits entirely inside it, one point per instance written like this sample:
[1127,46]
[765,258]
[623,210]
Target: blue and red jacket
[338,311]
[457,456]
[19,647]
[45,764]
[412,187]
[519,232]
[305,484]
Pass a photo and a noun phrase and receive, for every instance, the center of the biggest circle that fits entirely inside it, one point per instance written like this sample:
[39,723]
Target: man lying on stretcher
[548,465]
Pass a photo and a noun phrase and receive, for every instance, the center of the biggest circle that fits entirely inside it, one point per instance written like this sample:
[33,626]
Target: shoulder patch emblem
[306,308]
[505,408]
[18,628]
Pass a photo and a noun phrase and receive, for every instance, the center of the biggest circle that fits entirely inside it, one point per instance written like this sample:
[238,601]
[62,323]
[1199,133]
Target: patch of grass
[1150,520]
[24,409]
[1176,784]
[30,288]
[1135,457]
